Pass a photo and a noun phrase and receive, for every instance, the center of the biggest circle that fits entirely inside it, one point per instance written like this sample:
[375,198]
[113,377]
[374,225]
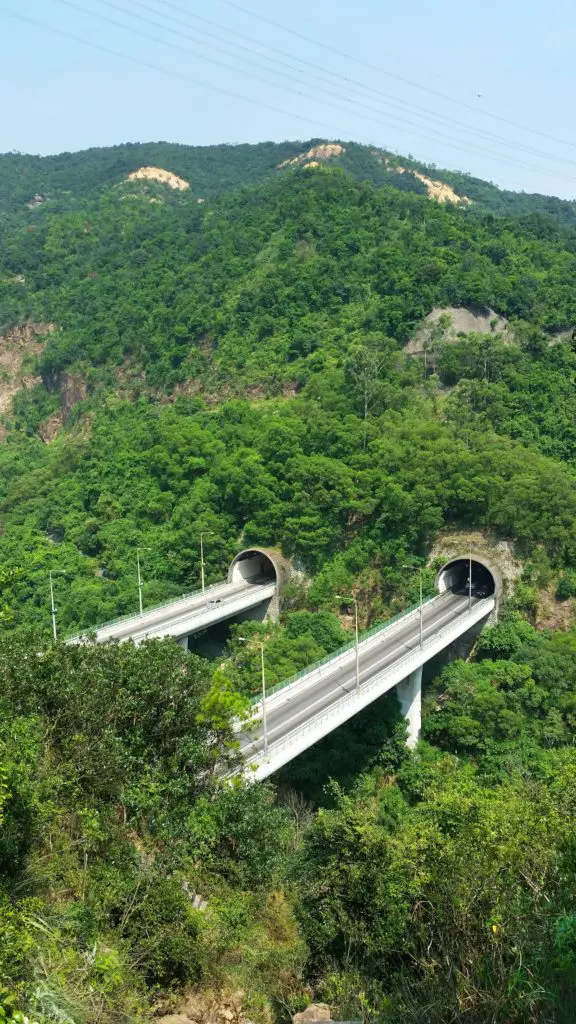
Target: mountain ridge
[214,170]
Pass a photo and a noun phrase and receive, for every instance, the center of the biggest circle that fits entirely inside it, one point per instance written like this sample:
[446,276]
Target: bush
[566,587]
[163,931]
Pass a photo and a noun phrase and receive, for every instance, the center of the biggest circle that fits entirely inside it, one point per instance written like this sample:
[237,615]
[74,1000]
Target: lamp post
[470,581]
[418,569]
[352,598]
[204,533]
[264,722]
[244,640]
[51,573]
[140,583]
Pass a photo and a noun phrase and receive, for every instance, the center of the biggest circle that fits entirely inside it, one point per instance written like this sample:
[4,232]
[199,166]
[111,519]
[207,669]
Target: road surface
[308,700]
[176,618]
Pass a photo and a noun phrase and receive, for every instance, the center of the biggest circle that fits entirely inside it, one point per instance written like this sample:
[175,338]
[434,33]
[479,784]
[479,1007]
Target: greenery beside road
[237,368]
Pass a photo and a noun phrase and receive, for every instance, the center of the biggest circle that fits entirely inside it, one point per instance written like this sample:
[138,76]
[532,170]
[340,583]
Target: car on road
[213,602]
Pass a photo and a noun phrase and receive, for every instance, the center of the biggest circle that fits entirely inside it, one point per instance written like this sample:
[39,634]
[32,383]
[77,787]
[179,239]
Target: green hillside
[213,170]
[295,299]
[253,368]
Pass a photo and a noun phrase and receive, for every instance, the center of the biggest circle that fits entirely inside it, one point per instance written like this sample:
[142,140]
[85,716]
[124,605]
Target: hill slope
[213,170]
[238,366]
[242,291]
[239,369]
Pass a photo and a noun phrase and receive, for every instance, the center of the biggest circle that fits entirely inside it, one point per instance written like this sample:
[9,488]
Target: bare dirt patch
[159,174]
[553,614]
[51,426]
[210,1008]
[326,151]
[560,337]
[15,346]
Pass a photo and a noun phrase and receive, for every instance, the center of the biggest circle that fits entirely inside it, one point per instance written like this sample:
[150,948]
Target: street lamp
[245,640]
[204,533]
[352,598]
[418,568]
[51,573]
[140,584]
[470,580]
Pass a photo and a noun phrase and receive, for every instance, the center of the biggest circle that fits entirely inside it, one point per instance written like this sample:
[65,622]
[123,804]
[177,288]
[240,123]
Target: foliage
[236,368]
[113,818]
[453,904]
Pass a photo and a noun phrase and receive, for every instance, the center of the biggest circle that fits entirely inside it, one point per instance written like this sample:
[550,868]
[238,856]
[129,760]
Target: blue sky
[60,94]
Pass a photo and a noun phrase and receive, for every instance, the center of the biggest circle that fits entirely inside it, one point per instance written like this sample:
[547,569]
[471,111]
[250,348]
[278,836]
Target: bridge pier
[409,693]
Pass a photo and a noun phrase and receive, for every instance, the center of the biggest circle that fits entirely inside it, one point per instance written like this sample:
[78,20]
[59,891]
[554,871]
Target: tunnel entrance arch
[253,566]
[455,576]
[262,565]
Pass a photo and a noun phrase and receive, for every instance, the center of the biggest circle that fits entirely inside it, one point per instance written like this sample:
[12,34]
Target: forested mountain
[213,170]
[263,366]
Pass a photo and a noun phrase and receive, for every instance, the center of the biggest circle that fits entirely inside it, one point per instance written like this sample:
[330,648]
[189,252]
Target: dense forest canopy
[238,366]
[259,367]
[215,170]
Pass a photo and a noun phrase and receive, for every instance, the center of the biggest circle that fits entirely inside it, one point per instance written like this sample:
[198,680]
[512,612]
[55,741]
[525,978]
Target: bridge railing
[407,660]
[172,602]
[350,646]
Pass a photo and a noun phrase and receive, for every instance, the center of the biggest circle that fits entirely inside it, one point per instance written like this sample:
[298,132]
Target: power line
[390,74]
[220,89]
[155,67]
[378,120]
[389,100]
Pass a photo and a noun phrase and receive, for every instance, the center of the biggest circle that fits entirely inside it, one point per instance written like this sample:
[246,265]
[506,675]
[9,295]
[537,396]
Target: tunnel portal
[253,566]
[455,575]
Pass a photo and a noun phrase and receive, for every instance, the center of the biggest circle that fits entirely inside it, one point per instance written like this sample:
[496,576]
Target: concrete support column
[183,642]
[409,693]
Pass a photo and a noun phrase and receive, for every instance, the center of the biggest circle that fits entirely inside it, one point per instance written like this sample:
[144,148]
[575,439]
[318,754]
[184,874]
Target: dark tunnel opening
[253,566]
[455,576]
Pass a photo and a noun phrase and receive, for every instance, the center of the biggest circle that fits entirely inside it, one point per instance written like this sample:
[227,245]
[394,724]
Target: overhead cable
[430,133]
[384,71]
[332,77]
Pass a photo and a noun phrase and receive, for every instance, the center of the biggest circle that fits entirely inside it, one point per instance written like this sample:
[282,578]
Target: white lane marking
[127,631]
[373,670]
[431,627]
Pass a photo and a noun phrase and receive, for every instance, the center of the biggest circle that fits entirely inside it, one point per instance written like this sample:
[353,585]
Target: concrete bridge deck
[321,700]
[187,615]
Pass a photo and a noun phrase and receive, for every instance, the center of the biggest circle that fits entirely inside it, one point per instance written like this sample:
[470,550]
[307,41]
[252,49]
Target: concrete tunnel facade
[260,565]
[455,573]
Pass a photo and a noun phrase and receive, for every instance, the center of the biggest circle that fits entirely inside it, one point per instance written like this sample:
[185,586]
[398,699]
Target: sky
[486,88]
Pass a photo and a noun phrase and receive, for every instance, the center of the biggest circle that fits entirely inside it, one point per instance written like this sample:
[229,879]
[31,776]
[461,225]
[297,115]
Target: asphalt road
[169,615]
[311,700]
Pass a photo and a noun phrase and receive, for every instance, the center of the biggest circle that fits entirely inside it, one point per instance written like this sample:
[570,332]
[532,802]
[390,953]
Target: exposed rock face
[446,326]
[326,151]
[314,1012]
[437,190]
[158,174]
[496,553]
[15,345]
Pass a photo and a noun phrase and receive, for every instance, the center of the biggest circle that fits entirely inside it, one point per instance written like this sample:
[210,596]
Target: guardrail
[378,627]
[174,602]
[444,636]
